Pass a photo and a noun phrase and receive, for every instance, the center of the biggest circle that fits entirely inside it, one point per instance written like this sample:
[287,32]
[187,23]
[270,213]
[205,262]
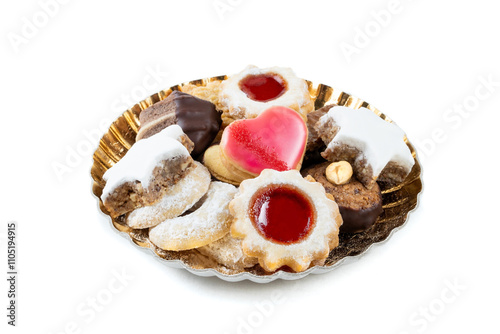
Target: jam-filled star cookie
[253,90]
[284,220]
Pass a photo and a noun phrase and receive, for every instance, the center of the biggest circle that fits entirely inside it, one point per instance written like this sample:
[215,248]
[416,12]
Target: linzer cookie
[285,220]
[253,90]
[258,176]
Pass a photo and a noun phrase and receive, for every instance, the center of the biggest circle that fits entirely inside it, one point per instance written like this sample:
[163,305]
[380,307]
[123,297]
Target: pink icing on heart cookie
[276,139]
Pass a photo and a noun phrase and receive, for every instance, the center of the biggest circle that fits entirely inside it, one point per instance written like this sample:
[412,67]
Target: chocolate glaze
[356,221]
[358,206]
[198,118]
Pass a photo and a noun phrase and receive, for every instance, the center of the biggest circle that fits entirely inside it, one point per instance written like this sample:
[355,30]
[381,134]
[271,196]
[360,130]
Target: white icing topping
[173,131]
[380,141]
[178,198]
[139,162]
[296,96]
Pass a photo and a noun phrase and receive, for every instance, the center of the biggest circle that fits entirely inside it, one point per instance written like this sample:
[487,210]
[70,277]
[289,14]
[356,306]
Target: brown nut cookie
[359,206]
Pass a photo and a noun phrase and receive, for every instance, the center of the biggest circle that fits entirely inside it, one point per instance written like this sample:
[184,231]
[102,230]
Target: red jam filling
[263,87]
[282,214]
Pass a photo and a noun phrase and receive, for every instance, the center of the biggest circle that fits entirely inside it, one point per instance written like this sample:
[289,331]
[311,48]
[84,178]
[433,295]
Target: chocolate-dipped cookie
[198,118]
[359,206]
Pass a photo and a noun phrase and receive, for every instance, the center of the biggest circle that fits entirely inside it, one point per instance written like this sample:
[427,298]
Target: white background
[86,64]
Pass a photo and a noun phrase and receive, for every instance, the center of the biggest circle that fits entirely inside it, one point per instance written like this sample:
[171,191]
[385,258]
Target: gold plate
[397,201]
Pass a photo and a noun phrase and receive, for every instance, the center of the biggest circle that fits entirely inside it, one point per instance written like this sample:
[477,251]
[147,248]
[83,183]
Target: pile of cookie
[245,172]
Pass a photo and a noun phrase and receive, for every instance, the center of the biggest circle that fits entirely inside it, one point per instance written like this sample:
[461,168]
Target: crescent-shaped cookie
[210,222]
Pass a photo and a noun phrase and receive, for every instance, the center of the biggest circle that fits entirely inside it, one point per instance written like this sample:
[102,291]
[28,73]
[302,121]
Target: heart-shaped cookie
[276,139]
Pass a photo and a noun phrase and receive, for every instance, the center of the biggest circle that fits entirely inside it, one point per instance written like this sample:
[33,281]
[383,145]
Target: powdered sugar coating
[381,142]
[227,251]
[240,106]
[178,198]
[322,238]
[141,159]
[210,222]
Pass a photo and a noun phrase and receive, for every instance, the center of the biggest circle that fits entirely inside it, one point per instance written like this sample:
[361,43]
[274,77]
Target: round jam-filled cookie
[177,199]
[250,92]
[208,223]
[359,206]
[285,220]
[198,119]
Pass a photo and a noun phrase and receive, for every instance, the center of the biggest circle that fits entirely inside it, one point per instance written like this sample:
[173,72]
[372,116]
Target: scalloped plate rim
[210,272]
